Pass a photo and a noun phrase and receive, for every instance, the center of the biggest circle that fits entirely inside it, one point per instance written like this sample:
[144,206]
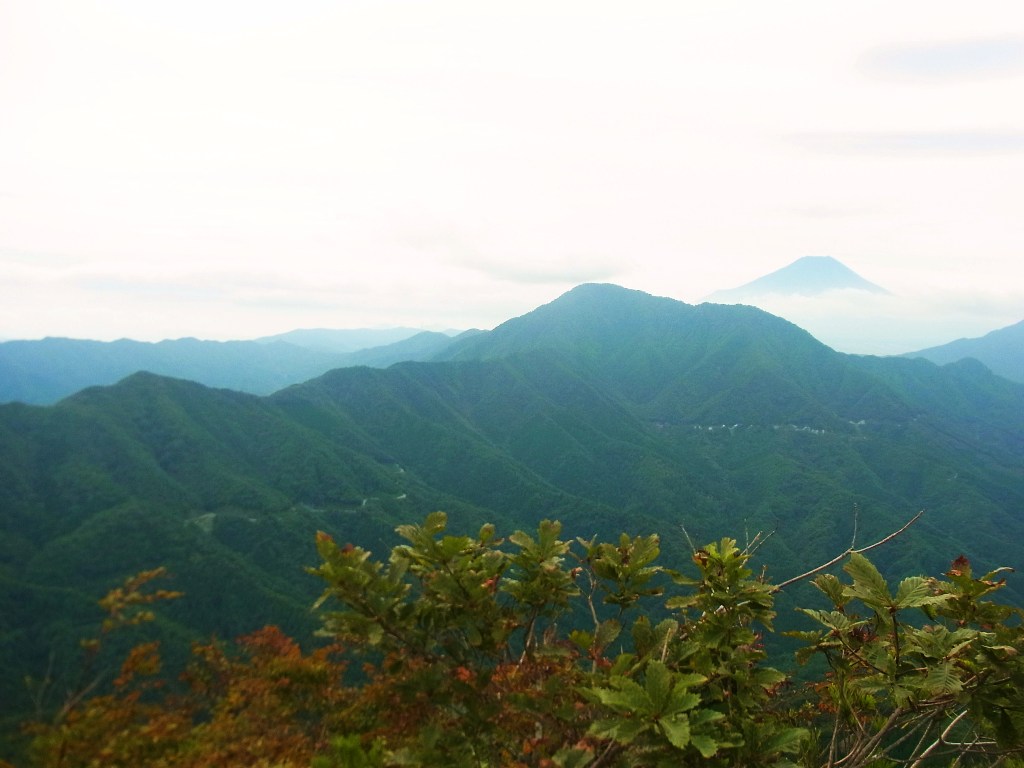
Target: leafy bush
[540,651]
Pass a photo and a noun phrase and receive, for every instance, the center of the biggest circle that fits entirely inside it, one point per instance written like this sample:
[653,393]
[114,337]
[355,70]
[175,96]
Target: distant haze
[236,170]
[852,314]
[808,276]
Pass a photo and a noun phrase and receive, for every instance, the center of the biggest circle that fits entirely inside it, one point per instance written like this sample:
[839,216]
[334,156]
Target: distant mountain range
[43,372]
[808,276]
[609,409]
[342,340]
[1001,350]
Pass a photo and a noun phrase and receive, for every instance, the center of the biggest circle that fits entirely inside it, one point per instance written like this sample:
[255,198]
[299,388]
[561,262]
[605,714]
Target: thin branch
[610,751]
[922,722]
[759,539]
[939,741]
[847,553]
[865,750]
[833,741]
[689,541]
[872,742]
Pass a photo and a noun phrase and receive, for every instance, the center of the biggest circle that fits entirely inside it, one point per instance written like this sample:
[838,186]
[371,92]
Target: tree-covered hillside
[534,649]
[608,409]
[43,372]
[1001,350]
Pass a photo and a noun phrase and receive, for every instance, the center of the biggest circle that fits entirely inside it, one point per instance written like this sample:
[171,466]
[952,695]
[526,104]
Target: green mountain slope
[608,408]
[1001,350]
[43,372]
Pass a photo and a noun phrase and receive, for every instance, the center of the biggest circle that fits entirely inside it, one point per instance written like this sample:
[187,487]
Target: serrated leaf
[658,684]
[915,592]
[618,729]
[676,730]
[910,589]
[831,619]
[666,629]
[942,679]
[436,522]
[768,677]
[581,639]
[703,717]
[681,700]
[573,758]
[704,744]
[522,540]
[626,696]
[832,587]
[786,740]
[689,679]
[868,584]
[681,601]
[607,631]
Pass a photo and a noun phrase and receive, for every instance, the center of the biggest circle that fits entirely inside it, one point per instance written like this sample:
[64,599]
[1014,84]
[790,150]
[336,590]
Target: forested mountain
[609,409]
[1001,350]
[42,372]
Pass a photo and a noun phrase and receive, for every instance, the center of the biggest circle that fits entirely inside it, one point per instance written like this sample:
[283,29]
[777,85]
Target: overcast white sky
[227,169]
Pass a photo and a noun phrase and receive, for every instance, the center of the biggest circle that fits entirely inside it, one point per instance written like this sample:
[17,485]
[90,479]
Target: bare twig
[863,750]
[939,741]
[759,539]
[847,553]
[689,541]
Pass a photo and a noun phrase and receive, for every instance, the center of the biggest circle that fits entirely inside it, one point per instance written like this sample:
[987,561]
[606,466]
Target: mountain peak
[1002,350]
[807,276]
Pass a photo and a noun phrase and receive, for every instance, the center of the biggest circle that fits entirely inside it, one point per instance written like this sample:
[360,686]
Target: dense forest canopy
[538,650]
[608,409]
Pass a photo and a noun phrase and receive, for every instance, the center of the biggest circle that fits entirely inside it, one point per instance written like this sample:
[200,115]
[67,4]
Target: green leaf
[832,587]
[626,696]
[658,684]
[681,701]
[676,730]
[572,758]
[915,592]
[786,740]
[704,744]
[581,639]
[619,729]
[831,619]
[942,679]
[768,677]
[607,631]
[868,583]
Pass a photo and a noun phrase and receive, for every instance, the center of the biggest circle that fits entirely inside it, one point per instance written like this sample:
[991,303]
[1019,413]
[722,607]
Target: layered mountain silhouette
[807,276]
[609,409]
[1001,350]
[341,339]
[42,372]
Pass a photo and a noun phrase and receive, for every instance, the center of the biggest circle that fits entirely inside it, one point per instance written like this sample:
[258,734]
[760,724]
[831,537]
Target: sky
[232,169]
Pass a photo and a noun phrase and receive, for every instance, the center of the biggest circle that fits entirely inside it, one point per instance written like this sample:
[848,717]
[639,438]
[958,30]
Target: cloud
[828,212]
[912,143]
[519,259]
[229,288]
[543,270]
[947,60]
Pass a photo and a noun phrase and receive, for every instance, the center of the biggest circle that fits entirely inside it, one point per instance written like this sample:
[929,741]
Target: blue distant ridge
[808,276]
